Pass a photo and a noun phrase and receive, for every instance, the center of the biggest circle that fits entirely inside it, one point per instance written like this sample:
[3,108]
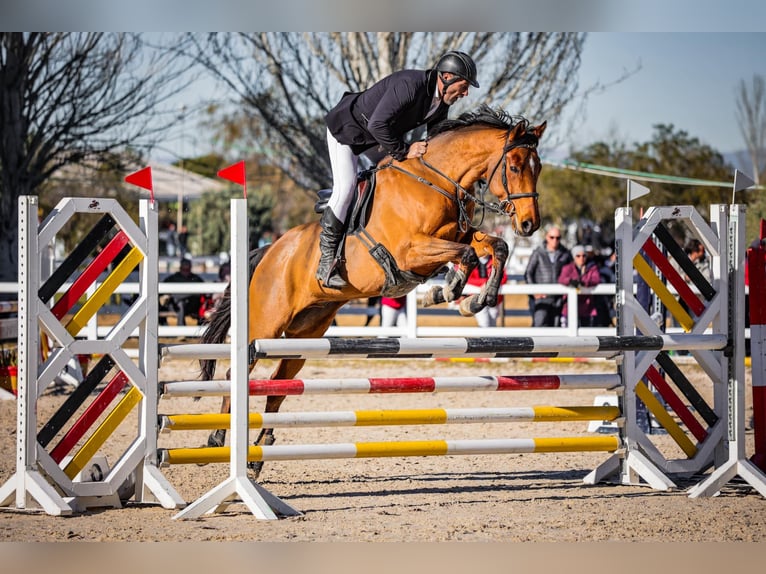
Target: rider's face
[455,91]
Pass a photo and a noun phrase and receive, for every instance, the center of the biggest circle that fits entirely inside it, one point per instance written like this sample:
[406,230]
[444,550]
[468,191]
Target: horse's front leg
[433,253]
[496,247]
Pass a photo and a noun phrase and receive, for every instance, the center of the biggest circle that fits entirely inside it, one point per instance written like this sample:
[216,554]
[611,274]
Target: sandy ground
[500,498]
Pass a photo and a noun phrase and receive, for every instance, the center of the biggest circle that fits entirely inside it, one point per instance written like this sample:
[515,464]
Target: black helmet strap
[447,83]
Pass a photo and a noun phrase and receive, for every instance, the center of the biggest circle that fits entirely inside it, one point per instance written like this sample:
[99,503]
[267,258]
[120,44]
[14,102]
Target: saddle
[397,282]
[365,187]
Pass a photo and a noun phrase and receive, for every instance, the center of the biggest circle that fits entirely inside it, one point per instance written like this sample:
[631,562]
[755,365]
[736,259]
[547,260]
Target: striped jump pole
[391,417]
[756,261]
[374,348]
[393,449]
[270,387]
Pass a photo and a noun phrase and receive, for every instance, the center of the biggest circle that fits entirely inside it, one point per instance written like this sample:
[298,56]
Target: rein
[464,221]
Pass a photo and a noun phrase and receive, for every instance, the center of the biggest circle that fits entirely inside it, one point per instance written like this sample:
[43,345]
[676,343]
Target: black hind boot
[329,260]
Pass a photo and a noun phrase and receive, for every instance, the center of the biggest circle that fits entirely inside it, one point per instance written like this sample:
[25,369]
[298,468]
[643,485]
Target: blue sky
[687,79]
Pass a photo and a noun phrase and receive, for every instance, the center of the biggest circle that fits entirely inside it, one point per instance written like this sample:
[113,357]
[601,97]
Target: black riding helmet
[460,64]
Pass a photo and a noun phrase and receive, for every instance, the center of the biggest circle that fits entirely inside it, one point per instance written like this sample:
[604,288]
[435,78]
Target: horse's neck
[464,165]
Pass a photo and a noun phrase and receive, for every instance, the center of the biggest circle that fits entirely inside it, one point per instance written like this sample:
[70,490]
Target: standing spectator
[581,273]
[373,310]
[171,245]
[183,238]
[487,317]
[545,265]
[393,311]
[755,244]
[224,276]
[188,306]
[606,311]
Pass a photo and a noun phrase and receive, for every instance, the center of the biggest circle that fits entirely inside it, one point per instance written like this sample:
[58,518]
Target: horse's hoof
[256,466]
[255,469]
[217,438]
[434,296]
[465,306]
[453,289]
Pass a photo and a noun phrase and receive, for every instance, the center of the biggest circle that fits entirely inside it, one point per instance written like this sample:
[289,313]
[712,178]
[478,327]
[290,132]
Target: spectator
[393,311]
[188,306]
[224,272]
[545,265]
[209,305]
[171,245]
[373,310]
[695,250]
[755,244]
[183,238]
[487,317]
[590,234]
[267,238]
[606,311]
[581,273]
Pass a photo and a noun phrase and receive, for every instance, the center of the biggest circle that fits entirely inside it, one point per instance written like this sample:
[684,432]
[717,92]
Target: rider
[381,116]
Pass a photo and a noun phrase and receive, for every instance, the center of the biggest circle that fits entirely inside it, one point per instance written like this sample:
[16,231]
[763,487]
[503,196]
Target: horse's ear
[538,130]
[518,130]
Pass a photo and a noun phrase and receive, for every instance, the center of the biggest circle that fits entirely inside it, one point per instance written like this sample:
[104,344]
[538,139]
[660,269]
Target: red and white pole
[756,261]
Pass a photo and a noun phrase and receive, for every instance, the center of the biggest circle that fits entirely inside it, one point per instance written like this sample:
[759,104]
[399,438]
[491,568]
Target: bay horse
[420,218]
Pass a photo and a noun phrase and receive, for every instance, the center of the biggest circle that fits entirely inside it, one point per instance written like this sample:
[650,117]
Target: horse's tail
[220,322]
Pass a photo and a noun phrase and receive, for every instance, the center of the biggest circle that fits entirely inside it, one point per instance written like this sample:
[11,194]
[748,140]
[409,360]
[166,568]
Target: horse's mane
[483,115]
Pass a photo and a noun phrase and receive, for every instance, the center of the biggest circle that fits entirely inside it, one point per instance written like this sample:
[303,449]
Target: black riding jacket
[385,112]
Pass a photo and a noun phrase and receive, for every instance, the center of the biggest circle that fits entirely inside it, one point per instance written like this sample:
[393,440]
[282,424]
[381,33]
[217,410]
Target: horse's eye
[514,169]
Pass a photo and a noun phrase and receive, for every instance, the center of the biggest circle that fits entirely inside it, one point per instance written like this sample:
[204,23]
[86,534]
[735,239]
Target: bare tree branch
[287,82]
[77,98]
[751,116]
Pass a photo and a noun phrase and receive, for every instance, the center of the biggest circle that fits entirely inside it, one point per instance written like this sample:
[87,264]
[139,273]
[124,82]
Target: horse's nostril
[526,226]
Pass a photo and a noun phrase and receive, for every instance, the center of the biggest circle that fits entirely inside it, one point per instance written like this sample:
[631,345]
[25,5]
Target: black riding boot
[329,261]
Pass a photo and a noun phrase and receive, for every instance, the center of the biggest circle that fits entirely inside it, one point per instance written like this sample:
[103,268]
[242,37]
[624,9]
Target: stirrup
[333,279]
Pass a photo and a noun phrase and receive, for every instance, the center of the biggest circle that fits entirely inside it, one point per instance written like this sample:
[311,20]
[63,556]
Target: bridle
[461,195]
[528,141]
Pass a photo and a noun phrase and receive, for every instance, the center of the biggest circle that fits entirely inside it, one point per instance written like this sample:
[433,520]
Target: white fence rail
[412,329]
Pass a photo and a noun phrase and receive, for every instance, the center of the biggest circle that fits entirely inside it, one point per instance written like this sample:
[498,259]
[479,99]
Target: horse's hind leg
[218,437]
[286,369]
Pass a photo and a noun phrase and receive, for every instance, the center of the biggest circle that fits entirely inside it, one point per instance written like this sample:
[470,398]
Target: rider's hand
[417,149]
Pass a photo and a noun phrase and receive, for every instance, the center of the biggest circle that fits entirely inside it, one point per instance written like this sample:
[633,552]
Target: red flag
[236,174]
[141,178]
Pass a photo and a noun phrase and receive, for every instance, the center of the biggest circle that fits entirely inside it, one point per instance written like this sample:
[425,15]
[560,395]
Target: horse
[419,219]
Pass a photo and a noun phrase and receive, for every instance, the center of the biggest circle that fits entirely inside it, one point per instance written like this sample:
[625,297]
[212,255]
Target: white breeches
[487,317]
[344,172]
[390,317]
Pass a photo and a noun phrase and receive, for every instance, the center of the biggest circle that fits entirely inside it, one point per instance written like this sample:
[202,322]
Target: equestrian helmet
[460,64]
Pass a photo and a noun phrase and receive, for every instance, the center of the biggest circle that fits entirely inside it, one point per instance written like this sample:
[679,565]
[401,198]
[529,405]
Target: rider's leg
[344,165]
